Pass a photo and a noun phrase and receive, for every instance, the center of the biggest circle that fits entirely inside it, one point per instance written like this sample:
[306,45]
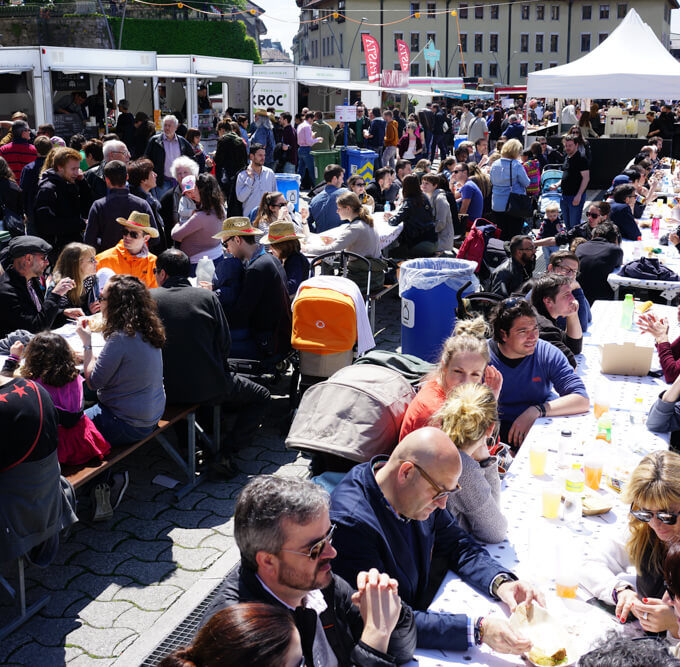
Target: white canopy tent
[630,63]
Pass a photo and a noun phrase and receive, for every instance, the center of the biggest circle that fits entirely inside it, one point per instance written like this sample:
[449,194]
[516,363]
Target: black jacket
[170,212]
[156,153]
[17,310]
[11,196]
[508,277]
[597,259]
[58,215]
[263,305]
[622,217]
[418,217]
[231,156]
[378,195]
[582,231]
[438,124]
[341,621]
[125,129]
[197,343]
[95,179]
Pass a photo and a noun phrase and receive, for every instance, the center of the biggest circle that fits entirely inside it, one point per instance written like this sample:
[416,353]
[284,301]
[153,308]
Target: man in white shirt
[254,181]
[477,128]
[569,115]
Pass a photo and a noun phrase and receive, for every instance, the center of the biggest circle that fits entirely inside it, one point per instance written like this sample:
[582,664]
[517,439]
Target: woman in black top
[418,238]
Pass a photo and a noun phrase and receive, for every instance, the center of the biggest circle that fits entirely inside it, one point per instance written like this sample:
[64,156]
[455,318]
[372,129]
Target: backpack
[475,242]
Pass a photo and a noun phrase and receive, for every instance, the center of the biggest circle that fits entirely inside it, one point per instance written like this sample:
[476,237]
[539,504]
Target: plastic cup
[592,469]
[601,405]
[566,587]
[538,455]
[551,499]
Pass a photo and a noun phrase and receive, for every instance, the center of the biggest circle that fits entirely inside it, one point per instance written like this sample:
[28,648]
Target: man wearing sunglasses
[284,534]
[131,255]
[391,514]
[509,276]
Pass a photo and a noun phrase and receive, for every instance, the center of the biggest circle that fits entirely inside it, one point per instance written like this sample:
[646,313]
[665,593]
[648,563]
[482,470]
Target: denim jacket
[501,179]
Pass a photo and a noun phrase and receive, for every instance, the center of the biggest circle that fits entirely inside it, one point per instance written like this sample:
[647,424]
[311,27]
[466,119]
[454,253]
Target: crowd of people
[114,234]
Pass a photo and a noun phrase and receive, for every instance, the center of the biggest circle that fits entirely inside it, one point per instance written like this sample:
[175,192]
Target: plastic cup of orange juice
[551,498]
[538,455]
[592,469]
[601,404]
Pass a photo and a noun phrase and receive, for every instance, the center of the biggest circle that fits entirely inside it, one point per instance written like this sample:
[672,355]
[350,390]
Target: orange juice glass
[592,470]
[538,455]
[601,406]
[566,590]
[551,499]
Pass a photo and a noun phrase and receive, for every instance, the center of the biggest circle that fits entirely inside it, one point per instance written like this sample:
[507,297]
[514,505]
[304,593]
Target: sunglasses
[316,549]
[667,518]
[278,205]
[131,233]
[440,492]
[593,215]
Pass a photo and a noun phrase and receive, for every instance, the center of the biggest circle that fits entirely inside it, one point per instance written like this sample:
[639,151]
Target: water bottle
[637,248]
[627,310]
[564,447]
[388,207]
[655,227]
[637,413]
[573,490]
[205,270]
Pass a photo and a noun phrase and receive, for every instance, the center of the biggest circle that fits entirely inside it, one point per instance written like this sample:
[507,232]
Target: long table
[536,547]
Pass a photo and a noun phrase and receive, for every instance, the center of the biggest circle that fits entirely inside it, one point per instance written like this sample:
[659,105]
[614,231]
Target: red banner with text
[372,50]
[404,55]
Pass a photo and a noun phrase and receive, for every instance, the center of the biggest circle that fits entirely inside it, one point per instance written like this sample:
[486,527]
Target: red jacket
[669,357]
[18,154]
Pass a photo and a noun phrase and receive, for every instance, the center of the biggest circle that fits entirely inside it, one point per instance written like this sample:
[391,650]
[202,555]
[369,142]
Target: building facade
[497,43]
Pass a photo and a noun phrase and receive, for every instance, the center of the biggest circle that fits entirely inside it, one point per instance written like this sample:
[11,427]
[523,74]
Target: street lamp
[330,27]
[356,34]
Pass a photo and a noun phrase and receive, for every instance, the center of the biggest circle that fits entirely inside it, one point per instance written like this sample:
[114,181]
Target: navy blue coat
[622,217]
[369,534]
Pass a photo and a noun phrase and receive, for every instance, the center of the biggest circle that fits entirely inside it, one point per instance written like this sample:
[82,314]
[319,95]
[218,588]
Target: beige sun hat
[281,231]
[237,226]
[140,222]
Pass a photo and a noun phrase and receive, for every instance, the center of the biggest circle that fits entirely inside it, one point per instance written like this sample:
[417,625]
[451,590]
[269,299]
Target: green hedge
[223,39]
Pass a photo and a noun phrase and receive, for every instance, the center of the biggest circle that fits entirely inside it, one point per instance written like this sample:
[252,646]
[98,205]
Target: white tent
[630,63]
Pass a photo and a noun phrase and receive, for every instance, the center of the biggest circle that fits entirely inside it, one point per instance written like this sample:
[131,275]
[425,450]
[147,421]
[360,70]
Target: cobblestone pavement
[119,587]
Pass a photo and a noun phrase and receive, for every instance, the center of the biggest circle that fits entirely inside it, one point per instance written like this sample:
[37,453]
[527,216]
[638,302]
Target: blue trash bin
[458,139]
[289,187]
[360,161]
[428,288]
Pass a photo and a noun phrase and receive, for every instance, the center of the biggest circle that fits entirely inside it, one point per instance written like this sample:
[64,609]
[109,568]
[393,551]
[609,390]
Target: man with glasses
[131,254]
[102,230]
[23,303]
[469,197]
[391,514]
[509,276]
[284,535]
[113,150]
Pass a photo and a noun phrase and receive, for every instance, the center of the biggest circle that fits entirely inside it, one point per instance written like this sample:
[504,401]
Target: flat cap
[26,245]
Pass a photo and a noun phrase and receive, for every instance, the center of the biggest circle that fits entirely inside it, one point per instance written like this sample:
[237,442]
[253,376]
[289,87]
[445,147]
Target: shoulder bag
[519,205]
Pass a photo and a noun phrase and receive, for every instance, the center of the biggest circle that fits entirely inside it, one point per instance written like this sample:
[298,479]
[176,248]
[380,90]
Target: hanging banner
[404,55]
[372,49]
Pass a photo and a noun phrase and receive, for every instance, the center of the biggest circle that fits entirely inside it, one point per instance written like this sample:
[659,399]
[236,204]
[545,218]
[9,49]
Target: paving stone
[191,500]
[225,529]
[144,572]
[182,518]
[223,507]
[220,489]
[101,539]
[183,579]
[196,559]
[99,587]
[14,642]
[218,541]
[188,538]
[49,578]
[102,614]
[137,619]
[38,655]
[68,549]
[101,643]
[143,529]
[251,467]
[51,632]
[144,549]
[100,563]
[278,458]
[61,602]
[85,660]
[150,598]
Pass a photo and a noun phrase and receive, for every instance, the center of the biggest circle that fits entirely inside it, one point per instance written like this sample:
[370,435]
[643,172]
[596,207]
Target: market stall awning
[364,85]
[464,93]
[16,70]
[122,73]
[630,63]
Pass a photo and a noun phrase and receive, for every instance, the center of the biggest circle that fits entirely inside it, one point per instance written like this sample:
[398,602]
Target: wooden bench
[79,475]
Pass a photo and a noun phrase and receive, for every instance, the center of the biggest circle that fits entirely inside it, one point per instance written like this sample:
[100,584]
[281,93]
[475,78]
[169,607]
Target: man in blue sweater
[391,513]
[323,209]
[531,369]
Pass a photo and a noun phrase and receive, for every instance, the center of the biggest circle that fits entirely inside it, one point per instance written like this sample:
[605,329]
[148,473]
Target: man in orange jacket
[131,255]
[389,156]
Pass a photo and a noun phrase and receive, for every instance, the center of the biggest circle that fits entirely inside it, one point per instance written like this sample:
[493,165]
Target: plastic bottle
[655,227]
[627,310]
[205,270]
[637,248]
[637,412]
[388,207]
[573,490]
[564,447]
[604,427]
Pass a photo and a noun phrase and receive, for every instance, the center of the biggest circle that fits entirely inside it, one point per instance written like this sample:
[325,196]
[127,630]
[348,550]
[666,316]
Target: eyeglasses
[456,171]
[667,518]
[590,214]
[278,205]
[565,271]
[226,241]
[131,233]
[316,549]
[441,492]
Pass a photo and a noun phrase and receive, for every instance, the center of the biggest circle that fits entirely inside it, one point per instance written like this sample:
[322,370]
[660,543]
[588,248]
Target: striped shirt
[18,154]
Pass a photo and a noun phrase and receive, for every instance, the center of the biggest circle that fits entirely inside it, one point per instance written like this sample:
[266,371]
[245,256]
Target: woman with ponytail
[469,418]
[464,358]
[360,237]
[251,634]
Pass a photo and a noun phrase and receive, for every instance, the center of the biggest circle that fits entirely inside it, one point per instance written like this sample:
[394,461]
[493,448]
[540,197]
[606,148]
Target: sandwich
[538,657]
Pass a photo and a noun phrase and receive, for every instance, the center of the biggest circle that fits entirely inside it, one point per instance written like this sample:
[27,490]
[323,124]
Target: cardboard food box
[626,358]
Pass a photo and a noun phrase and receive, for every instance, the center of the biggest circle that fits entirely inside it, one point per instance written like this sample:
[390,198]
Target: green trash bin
[321,160]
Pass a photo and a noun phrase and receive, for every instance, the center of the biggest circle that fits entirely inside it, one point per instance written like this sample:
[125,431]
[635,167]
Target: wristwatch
[618,589]
[499,581]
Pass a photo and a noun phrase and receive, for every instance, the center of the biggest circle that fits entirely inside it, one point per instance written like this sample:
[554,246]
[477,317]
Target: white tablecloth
[536,547]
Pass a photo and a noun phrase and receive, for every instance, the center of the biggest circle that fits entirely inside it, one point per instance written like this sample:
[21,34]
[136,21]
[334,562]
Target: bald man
[390,513]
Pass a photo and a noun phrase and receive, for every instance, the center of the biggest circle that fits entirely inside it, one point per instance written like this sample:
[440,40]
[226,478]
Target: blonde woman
[464,359]
[469,418]
[628,572]
[77,261]
[508,175]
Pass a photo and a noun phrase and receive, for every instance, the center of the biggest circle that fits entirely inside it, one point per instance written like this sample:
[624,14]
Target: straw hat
[281,231]
[261,112]
[237,226]
[140,222]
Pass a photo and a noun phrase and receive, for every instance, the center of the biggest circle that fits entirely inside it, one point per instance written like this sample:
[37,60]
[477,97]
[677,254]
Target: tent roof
[630,63]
